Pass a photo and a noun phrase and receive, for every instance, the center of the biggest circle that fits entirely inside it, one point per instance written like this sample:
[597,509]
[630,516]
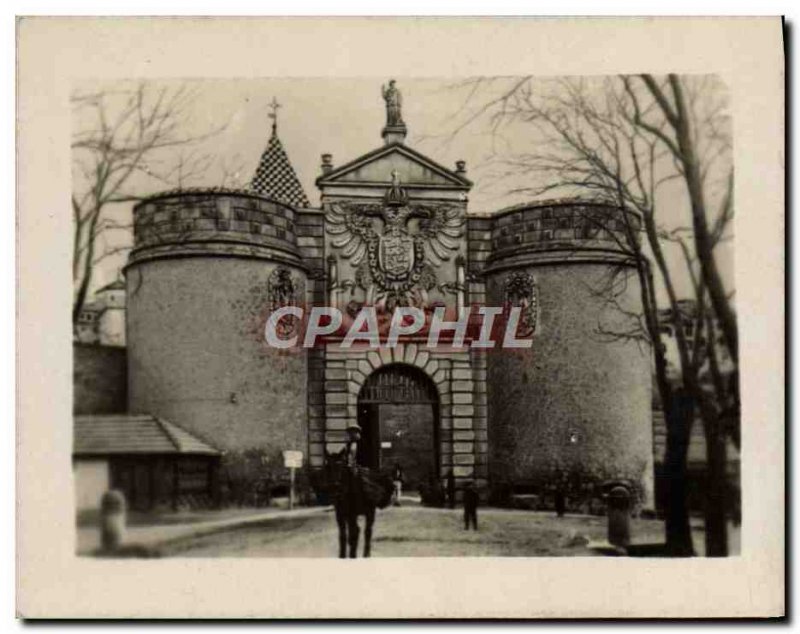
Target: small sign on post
[292,460]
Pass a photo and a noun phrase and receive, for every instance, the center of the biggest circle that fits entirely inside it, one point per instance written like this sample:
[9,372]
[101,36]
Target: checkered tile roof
[275,176]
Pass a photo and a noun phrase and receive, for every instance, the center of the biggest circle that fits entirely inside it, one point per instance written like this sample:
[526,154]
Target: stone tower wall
[200,283]
[579,400]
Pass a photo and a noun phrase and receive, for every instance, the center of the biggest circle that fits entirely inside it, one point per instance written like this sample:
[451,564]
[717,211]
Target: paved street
[413,531]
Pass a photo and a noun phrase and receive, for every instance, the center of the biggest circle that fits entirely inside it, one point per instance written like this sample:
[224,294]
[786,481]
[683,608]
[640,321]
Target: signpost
[292,460]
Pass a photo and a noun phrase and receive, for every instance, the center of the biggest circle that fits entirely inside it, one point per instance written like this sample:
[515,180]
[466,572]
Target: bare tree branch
[122,133]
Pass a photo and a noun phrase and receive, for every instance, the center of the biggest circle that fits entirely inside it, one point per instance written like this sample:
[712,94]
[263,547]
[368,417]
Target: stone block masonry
[352,367]
[99,379]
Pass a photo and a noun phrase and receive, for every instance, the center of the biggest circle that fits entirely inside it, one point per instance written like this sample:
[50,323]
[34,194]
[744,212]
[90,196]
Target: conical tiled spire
[275,176]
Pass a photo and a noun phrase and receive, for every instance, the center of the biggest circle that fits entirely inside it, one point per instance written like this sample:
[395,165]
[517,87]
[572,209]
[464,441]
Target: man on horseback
[357,491]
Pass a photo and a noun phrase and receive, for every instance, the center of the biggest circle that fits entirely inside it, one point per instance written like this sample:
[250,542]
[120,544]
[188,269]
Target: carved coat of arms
[396,255]
[283,292]
[395,266]
[520,290]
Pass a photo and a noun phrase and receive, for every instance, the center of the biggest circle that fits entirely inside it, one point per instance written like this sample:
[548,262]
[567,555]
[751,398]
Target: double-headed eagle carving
[395,266]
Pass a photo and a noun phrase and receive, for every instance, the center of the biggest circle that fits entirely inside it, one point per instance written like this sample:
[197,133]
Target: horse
[356,492]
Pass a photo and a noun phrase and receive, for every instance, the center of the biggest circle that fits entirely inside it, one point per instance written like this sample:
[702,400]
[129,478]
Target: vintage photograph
[463,316]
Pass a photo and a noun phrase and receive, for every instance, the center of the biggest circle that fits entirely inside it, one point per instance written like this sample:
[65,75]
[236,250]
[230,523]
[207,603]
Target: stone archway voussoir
[422,359]
[365,367]
[374,359]
[411,353]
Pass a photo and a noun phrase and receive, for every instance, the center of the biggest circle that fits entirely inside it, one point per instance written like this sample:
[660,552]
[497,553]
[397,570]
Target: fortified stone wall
[99,379]
[206,269]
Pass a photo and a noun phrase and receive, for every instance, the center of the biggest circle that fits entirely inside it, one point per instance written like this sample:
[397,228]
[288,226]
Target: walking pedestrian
[470,506]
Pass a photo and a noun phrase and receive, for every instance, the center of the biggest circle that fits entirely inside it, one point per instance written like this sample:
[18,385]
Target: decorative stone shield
[283,292]
[396,255]
[520,289]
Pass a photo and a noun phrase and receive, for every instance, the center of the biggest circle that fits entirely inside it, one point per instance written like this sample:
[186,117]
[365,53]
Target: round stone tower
[206,269]
[577,403]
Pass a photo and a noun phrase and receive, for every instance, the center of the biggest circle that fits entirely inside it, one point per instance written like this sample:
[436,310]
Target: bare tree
[679,136]
[673,121]
[124,138]
[607,143]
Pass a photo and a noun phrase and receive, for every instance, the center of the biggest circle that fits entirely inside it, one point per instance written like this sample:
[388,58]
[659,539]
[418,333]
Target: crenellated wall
[214,221]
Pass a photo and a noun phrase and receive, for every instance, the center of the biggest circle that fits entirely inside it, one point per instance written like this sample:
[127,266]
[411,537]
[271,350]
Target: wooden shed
[153,462]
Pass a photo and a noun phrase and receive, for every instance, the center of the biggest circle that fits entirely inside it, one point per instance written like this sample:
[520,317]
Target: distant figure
[561,499]
[397,481]
[470,506]
[451,489]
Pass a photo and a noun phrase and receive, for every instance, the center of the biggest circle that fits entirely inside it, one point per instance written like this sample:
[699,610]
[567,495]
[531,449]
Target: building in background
[102,321]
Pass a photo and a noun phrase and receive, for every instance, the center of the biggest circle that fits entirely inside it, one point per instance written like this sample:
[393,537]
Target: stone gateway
[392,230]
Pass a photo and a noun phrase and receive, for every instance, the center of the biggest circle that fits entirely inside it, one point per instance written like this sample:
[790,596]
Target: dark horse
[355,492]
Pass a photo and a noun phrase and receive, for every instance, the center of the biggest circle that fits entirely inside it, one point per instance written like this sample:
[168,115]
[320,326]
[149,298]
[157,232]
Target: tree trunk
[723,424]
[678,421]
[679,428]
[716,529]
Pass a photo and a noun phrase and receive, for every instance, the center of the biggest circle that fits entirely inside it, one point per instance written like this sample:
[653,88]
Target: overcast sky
[344,118]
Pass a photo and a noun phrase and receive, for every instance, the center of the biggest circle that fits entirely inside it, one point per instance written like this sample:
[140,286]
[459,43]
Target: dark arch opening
[398,411]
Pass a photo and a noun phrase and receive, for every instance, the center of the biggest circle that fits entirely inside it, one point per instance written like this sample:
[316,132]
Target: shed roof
[134,434]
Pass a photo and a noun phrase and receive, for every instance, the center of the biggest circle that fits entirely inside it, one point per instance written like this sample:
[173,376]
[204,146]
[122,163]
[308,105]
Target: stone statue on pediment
[394,103]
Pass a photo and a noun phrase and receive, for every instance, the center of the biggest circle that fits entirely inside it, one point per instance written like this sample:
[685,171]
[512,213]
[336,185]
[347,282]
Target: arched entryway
[398,411]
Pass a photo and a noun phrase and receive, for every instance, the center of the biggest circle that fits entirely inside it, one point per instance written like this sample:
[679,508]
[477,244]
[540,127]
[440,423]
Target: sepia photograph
[601,207]
[483,316]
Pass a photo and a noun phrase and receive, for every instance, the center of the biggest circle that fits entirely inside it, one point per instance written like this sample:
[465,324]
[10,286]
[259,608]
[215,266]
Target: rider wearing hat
[350,450]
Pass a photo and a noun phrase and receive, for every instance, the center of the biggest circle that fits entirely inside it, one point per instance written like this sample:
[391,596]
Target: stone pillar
[112,520]
[619,517]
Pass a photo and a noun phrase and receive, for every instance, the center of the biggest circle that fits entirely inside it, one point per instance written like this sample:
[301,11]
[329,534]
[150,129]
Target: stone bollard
[112,520]
[619,516]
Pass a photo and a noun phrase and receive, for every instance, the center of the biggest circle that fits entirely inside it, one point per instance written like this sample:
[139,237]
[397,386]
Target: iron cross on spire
[274,105]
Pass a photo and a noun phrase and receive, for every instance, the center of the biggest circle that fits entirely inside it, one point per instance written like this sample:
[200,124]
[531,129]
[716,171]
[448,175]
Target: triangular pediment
[413,168]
